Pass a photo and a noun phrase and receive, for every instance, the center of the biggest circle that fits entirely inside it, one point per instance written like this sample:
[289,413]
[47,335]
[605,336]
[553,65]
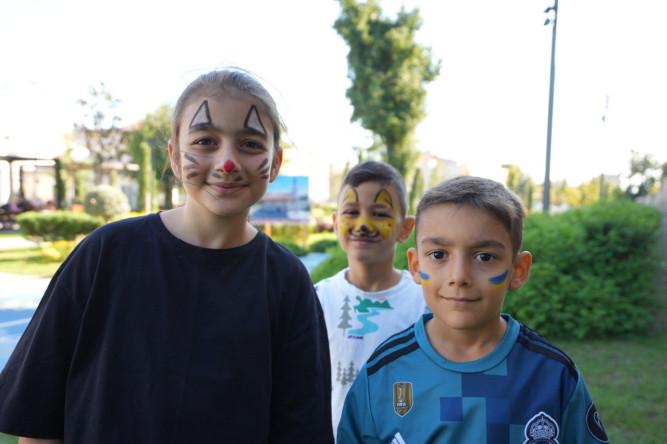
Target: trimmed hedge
[107,202]
[56,225]
[594,271]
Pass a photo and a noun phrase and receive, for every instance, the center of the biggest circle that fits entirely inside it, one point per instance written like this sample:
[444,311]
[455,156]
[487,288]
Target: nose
[363,225]
[226,162]
[459,273]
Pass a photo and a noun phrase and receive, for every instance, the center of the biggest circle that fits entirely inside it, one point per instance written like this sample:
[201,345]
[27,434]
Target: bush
[594,271]
[322,245]
[293,247]
[56,225]
[107,202]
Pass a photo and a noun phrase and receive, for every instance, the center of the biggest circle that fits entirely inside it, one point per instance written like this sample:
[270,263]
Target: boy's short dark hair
[373,171]
[479,193]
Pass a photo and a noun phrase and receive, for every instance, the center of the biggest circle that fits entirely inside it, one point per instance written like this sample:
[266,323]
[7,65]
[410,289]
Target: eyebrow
[481,243]
[211,127]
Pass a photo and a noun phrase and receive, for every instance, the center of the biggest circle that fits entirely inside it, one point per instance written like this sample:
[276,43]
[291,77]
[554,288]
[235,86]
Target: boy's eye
[381,214]
[437,254]
[485,257]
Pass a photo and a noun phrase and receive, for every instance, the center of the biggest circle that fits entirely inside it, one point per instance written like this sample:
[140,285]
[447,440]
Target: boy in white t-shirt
[370,300]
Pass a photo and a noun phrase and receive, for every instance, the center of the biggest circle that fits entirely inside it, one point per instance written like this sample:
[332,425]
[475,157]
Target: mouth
[226,187]
[460,301]
[365,239]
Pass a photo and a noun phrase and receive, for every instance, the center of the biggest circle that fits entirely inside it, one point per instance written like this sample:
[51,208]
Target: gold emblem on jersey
[402,397]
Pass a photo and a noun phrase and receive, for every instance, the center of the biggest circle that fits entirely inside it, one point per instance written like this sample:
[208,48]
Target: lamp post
[545,201]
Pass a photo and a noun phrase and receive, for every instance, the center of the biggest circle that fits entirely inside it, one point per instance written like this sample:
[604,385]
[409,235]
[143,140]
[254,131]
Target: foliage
[416,190]
[292,246]
[388,70]
[56,225]
[594,271]
[521,184]
[102,137]
[155,130]
[144,177]
[322,245]
[107,202]
[645,174]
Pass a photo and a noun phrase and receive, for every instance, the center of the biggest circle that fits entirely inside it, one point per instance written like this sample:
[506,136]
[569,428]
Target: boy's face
[465,264]
[225,156]
[368,222]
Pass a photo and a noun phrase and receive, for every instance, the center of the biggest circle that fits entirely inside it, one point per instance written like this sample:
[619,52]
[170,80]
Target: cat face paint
[499,281]
[367,217]
[252,121]
[202,117]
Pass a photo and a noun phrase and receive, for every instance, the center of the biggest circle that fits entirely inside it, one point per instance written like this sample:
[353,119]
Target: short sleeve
[581,421]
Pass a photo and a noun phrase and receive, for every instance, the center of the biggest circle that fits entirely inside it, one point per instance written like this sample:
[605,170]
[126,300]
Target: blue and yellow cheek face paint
[499,281]
[424,277]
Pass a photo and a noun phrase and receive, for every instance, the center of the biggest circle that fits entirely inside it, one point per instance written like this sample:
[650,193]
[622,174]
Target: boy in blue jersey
[466,373]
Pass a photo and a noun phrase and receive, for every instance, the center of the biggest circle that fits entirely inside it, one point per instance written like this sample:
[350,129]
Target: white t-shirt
[359,321]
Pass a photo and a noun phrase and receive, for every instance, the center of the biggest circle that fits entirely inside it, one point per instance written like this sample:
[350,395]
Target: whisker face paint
[424,277]
[264,173]
[253,121]
[499,281]
[191,158]
[202,117]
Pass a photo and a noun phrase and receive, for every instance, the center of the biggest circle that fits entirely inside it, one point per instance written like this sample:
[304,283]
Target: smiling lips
[226,187]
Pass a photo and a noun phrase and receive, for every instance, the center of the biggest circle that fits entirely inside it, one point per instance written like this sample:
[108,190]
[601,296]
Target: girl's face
[224,155]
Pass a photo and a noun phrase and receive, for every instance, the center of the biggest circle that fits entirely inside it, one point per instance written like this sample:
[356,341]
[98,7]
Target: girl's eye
[251,144]
[485,257]
[437,254]
[205,141]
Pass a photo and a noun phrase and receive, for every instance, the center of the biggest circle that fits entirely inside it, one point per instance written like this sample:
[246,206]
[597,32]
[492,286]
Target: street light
[554,8]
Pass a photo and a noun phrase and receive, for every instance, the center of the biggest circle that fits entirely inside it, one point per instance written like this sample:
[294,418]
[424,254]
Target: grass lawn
[28,261]
[626,378]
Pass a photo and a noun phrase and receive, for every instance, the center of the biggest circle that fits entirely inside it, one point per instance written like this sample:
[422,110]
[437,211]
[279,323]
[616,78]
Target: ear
[521,270]
[406,228]
[275,165]
[413,265]
[175,160]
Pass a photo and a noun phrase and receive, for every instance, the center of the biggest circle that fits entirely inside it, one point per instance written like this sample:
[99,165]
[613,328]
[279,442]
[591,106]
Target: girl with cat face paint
[187,325]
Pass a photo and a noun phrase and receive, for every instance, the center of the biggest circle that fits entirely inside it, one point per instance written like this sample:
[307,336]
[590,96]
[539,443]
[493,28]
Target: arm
[581,421]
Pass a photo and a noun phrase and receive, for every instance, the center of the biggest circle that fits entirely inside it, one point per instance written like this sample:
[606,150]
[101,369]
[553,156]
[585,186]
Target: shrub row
[56,225]
[594,271]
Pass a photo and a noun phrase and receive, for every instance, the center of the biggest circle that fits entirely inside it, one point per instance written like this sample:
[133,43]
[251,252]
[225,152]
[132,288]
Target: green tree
[155,130]
[388,70]
[415,192]
[520,183]
[103,138]
[645,174]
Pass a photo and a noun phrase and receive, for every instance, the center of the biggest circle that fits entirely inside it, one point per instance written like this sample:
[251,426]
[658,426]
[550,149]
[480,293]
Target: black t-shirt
[141,337]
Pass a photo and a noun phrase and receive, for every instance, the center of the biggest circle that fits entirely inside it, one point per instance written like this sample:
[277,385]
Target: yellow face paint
[383,227]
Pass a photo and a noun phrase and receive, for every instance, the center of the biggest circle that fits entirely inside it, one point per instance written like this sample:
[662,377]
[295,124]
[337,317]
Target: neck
[208,230]
[375,277]
[465,345]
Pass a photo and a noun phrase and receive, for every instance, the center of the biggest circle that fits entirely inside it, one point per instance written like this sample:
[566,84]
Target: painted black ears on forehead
[202,116]
[253,121]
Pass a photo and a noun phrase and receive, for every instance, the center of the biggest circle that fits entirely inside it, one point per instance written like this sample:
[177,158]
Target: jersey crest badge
[541,429]
[402,397]
[594,424]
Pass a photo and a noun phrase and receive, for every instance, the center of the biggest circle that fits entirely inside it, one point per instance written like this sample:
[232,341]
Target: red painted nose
[229,166]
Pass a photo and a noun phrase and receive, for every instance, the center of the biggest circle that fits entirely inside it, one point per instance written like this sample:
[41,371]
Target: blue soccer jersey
[525,391]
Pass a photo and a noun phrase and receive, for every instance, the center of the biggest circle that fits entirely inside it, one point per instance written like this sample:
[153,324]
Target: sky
[488,107]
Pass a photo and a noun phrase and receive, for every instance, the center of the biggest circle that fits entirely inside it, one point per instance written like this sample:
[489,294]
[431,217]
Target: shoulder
[278,255]
[331,282]
[541,348]
[397,346]
[125,228]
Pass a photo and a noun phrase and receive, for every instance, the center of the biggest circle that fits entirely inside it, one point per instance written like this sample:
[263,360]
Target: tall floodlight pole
[551,103]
